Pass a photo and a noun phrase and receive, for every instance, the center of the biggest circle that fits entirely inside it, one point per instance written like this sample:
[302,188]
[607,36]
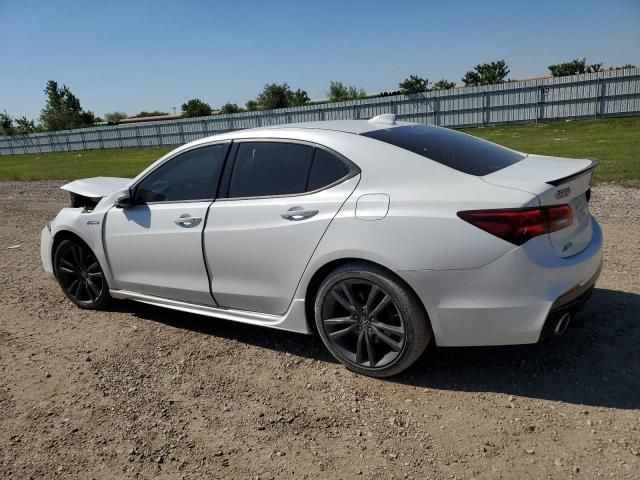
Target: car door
[155,246]
[279,199]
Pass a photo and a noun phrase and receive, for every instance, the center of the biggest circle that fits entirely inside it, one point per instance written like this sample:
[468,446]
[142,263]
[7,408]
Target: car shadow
[596,364]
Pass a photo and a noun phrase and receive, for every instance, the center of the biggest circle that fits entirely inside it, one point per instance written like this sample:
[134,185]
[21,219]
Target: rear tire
[80,275]
[370,320]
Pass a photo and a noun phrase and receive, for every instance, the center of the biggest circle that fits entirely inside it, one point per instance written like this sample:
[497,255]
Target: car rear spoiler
[594,164]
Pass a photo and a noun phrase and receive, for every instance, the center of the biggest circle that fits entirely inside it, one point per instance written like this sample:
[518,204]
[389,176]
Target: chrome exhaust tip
[562,324]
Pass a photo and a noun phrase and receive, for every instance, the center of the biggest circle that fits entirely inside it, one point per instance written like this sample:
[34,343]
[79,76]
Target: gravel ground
[141,392]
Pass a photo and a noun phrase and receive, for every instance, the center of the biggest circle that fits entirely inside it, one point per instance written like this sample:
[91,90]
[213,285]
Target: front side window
[191,176]
[270,169]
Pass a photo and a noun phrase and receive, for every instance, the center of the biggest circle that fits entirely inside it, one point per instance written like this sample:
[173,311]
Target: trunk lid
[555,181]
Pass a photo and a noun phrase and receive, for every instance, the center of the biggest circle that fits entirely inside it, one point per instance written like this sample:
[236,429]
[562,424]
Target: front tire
[80,275]
[370,320]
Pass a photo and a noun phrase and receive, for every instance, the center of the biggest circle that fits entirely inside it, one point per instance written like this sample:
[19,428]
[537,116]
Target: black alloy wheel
[370,321]
[80,275]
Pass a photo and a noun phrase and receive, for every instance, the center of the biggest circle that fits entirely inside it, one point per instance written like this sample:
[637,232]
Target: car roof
[347,126]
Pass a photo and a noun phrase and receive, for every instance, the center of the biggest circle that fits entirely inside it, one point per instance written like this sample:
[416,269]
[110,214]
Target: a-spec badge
[563,192]
[93,222]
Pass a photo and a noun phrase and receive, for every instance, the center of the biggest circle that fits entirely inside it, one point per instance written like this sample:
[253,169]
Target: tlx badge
[563,192]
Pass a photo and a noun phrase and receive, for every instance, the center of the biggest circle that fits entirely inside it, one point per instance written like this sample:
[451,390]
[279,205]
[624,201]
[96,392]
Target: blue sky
[147,55]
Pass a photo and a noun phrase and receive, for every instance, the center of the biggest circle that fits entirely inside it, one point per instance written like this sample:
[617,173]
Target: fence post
[10,145]
[426,108]
[596,100]
[84,145]
[181,132]
[159,135]
[436,109]
[100,141]
[138,139]
[119,137]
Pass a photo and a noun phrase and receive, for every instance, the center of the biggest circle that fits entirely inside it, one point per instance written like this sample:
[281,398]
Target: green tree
[594,67]
[338,92]
[487,74]
[252,106]
[6,124]
[414,84]
[299,98]
[574,67]
[24,126]
[115,117]
[278,95]
[155,113]
[274,95]
[229,108]
[63,110]
[443,85]
[196,108]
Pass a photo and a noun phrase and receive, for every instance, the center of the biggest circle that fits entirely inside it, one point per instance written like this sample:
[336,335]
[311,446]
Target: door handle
[187,220]
[296,214]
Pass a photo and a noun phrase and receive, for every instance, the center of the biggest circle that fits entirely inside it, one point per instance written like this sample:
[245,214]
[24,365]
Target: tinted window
[325,170]
[193,175]
[448,147]
[270,168]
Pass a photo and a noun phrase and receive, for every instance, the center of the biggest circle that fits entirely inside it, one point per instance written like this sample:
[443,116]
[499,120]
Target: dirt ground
[142,392]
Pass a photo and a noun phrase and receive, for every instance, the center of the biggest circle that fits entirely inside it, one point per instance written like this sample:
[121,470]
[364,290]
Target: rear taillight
[559,217]
[522,224]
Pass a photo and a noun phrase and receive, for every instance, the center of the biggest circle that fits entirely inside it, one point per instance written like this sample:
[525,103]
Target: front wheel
[80,275]
[370,321]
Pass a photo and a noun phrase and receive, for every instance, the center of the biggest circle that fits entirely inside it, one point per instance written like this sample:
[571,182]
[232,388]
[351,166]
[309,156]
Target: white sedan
[378,235]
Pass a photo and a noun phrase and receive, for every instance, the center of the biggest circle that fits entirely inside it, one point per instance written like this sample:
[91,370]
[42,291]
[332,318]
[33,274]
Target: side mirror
[123,199]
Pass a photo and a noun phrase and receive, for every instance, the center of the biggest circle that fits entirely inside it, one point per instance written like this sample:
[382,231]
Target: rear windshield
[465,153]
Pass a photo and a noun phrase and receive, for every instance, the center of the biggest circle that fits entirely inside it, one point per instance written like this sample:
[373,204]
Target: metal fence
[594,95]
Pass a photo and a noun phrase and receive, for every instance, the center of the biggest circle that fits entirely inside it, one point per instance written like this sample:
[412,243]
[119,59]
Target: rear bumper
[508,301]
[569,303]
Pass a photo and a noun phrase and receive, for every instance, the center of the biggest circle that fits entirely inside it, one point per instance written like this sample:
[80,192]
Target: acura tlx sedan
[378,235]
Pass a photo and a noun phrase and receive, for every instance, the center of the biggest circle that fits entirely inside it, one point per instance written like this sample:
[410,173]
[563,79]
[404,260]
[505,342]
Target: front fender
[88,226]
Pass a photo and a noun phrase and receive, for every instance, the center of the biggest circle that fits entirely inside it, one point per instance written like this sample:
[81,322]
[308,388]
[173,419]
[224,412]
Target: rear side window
[325,170]
[464,153]
[270,169]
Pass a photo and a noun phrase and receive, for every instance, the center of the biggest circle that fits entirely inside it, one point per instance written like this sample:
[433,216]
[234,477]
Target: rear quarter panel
[421,230]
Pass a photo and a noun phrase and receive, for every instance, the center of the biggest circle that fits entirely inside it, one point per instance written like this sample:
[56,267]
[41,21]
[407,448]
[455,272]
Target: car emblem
[93,222]
[567,246]
[563,192]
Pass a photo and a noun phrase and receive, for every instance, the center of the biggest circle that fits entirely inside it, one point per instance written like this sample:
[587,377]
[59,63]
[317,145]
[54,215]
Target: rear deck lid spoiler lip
[559,181]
